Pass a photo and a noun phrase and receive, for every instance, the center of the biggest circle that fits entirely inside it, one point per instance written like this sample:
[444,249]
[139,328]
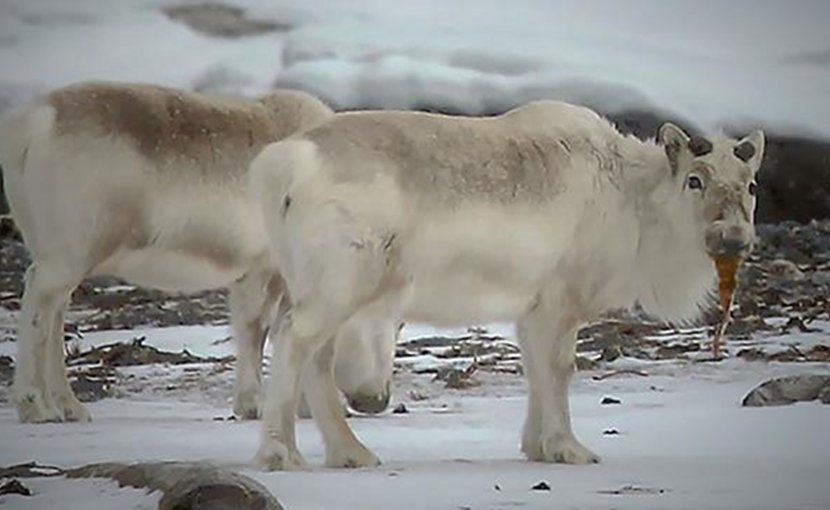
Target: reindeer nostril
[734,246]
[729,240]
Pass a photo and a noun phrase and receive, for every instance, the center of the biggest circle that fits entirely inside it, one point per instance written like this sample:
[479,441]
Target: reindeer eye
[694,182]
[753,188]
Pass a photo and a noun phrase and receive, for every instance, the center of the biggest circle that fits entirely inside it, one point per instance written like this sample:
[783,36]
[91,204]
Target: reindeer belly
[199,241]
[465,300]
[477,265]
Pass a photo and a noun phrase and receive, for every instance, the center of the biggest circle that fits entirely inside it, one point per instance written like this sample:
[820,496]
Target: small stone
[785,269]
[752,354]
[611,353]
[497,488]
[14,486]
[400,409]
[819,353]
[608,401]
[583,363]
[541,486]
[611,432]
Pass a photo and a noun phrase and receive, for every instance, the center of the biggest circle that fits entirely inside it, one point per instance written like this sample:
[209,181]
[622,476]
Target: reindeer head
[715,178]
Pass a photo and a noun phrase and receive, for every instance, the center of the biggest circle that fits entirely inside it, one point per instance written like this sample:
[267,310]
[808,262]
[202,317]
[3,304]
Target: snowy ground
[683,441]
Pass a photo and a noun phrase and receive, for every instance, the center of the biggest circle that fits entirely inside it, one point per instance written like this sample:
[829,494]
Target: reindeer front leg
[41,390]
[548,344]
[292,351]
[343,449]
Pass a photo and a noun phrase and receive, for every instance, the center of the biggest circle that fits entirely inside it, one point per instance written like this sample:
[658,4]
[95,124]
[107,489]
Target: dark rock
[400,409]
[752,354]
[583,363]
[14,486]
[785,269]
[788,390]
[541,486]
[610,432]
[610,353]
[230,417]
[609,401]
[799,324]
[6,369]
[794,180]
[819,353]
[89,387]
[30,470]
[4,205]
[8,229]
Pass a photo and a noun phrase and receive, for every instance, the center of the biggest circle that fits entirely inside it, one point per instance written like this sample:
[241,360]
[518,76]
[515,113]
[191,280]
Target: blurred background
[706,64]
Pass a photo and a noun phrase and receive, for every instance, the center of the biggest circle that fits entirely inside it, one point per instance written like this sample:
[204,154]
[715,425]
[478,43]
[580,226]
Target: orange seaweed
[727,270]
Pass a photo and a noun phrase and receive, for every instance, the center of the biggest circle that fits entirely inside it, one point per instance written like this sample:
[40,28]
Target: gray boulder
[789,390]
[187,485]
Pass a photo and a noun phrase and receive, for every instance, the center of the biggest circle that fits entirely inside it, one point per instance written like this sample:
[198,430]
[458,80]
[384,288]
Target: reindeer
[546,216]
[149,184]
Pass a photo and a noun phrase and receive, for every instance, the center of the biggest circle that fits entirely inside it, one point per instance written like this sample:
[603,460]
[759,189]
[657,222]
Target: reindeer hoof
[275,456]
[355,456]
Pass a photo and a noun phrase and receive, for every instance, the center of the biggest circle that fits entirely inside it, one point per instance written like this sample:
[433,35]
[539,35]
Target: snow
[75,494]
[740,63]
[684,442]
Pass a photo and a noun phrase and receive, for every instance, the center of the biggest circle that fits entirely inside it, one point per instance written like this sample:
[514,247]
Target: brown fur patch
[455,157]
[169,126]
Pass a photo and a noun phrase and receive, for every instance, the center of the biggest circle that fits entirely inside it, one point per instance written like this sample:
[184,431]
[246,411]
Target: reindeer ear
[700,146]
[675,142]
[750,150]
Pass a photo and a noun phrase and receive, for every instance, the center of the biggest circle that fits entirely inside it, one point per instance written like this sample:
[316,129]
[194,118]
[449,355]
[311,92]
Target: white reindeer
[149,184]
[546,216]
